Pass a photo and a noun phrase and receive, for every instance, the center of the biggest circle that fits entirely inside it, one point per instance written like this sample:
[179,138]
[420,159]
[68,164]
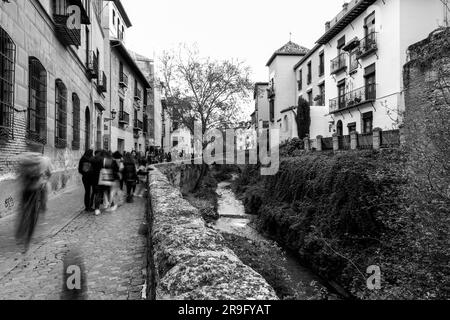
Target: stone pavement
[113,251]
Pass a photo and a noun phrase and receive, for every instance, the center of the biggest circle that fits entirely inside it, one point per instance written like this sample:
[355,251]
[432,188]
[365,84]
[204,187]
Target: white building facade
[366,48]
[282,88]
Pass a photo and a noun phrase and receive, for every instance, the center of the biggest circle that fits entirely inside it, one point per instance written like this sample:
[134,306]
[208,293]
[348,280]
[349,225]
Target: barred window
[37,102]
[76,122]
[61,115]
[7,64]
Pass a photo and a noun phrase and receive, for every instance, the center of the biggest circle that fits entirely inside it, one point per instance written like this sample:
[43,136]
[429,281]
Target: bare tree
[203,90]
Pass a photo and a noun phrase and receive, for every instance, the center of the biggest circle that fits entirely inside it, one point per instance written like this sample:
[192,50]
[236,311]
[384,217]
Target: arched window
[37,102]
[76,122]
[61,115]
[7,65]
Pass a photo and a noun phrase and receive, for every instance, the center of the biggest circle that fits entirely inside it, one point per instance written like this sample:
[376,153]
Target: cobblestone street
[111,246]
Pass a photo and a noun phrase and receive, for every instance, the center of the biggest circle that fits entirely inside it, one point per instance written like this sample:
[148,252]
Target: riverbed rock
[191,259]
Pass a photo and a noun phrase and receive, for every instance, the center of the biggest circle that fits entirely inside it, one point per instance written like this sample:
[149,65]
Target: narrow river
[234,220]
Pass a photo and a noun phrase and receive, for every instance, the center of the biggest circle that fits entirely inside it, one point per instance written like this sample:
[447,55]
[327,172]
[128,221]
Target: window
[37,102]
[88,47]
[7,64]
[353,60]
[272,109]
[114,17]
[370,82]
[351,127]
[341,44]
[369,24]
[367,122]
[322,94]
[321,64]
[309,73]
[61,115]
[76,121]
[300,81]
[341,94]
[310,97]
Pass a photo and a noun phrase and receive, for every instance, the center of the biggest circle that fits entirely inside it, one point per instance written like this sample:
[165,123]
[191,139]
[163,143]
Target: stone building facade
[426,79]
[61,87]
[51,88]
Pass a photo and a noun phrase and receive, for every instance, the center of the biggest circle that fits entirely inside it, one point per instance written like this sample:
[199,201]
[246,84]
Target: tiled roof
[289,49]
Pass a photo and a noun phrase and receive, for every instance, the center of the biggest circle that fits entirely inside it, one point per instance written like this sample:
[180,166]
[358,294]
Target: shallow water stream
[234,220]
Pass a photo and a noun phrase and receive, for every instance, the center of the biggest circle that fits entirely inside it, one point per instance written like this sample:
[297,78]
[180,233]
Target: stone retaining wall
[191,261]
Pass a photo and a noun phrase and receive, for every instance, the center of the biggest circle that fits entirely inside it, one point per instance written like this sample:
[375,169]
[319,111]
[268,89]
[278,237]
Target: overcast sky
[250,30]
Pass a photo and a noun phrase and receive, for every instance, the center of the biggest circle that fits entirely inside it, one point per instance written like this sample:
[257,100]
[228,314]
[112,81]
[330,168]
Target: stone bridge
[187,259]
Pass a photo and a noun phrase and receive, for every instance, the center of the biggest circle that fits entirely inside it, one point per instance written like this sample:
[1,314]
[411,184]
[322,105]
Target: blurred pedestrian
[129,175]
[85,168]
[117,171]
[142,178]
[34,173]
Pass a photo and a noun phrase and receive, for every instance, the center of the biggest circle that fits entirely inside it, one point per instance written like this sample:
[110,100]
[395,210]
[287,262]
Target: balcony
[69,37]
[367,46]
[92,65]
[339,64]
[138,125]
[137,94]
[145,129]
[102,83]
[123,80]
[353,98]
[124,117]
[271,92]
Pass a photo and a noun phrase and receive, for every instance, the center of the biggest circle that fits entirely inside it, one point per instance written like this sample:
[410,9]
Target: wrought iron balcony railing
[102,83]
[137,94]
[68,36]
[123,80]
[367,46]
[124,117]
[353,98]
[138,125]
[339,64]
[271,92]
[92,65]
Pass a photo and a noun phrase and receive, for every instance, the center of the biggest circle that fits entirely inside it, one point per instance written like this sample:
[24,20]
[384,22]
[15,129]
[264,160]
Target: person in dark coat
[85,168]
[129,174]
[97,164]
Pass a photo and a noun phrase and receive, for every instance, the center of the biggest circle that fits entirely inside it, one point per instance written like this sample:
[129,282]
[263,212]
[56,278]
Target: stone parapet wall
[191,261]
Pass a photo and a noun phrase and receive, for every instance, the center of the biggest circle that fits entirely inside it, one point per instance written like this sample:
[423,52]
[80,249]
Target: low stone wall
[191,261]
[183,176]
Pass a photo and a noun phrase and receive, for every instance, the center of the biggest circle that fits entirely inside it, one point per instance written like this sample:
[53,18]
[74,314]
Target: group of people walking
[104,174]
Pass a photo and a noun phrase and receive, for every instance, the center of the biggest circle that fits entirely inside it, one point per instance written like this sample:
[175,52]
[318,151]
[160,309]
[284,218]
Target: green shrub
[343,213]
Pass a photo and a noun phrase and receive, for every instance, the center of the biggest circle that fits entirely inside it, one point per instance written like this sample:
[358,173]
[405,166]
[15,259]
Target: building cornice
[306,57]
[123,13]
[346,19]
[117,44]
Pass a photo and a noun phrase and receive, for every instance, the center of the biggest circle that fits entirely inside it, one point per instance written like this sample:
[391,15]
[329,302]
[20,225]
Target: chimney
[345,6]
[327,25]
